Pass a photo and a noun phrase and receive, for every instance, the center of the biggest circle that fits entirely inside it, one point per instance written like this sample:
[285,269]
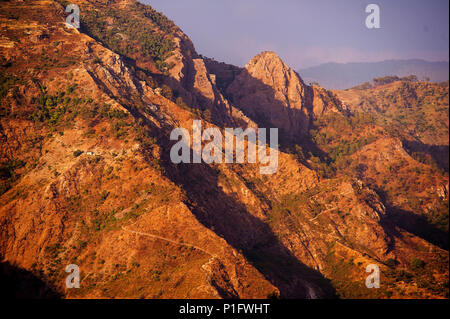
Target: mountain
[345,75]
[86,176]
[272,93]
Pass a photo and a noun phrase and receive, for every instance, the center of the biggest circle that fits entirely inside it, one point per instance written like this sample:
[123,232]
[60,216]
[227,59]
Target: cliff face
[268,90]
[191,79]
[274,94]
[86,176]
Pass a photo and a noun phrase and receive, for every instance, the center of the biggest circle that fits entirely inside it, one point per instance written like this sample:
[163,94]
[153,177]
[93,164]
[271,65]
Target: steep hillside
[90,170]
[415,109]
[86,177]
[409,165]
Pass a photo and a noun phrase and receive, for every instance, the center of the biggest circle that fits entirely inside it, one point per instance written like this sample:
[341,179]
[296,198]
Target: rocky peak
[274,94]
[269,61]
[272,71]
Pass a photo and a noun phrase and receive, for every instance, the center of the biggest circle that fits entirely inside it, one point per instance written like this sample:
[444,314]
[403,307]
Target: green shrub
[133,32]
[6,83]
[77,153]
[391,263]
[416,263]
[166,91]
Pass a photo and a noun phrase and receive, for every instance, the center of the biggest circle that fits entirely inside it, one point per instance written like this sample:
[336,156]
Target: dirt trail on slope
[325,211]
[168,240]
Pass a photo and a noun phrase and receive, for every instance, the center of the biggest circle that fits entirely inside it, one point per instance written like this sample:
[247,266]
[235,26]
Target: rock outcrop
[268,90]
[192,81]
[275,95]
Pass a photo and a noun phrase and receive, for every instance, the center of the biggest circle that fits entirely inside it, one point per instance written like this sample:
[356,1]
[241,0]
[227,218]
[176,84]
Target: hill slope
[86,176]
[345,75]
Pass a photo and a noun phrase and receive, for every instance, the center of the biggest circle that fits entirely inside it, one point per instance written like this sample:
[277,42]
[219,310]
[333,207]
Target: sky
[310,32]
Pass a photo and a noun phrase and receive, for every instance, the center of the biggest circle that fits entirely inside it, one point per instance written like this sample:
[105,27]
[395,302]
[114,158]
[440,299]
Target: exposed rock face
[324,101]
[191,79]
[202,81]
[267,89]
[207,95]
[270,91]
[224,73]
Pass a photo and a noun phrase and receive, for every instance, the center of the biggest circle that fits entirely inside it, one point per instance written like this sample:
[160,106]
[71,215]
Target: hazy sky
[310,32]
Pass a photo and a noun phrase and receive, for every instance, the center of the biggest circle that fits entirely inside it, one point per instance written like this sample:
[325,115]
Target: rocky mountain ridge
[88,179]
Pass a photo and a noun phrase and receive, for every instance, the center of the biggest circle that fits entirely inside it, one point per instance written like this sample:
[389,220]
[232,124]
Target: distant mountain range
[346,75]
